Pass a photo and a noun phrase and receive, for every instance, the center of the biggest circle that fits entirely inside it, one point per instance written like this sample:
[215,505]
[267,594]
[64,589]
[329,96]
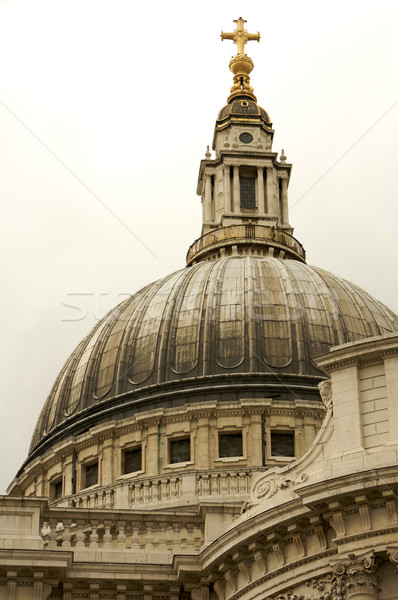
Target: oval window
[246,138]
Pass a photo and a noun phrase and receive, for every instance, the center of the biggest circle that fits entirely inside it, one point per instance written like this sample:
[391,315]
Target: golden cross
[240,35]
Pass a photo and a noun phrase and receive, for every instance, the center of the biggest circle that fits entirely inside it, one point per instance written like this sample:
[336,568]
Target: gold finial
[241,65]
[240,36]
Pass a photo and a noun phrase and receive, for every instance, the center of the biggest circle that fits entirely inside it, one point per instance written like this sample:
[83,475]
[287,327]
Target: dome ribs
[209,331]
[274,302]
[357,324]
[124,359]
[103,368]
[316,312]
[185,326]
[163,340]
[210,306]
[73,390]
[230,319]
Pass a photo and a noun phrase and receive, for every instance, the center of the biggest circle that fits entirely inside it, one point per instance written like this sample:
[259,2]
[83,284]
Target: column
[68,476]
[208,199]
[106,476]
[284,218]
[260,191]
[272,208]
[227,189]
[358,576]
[236,189]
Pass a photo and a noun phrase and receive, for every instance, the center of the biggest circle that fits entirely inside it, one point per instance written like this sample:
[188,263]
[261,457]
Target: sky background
[106,109]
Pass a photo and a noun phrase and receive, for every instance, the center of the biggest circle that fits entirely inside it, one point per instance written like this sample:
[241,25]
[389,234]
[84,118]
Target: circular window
[246,138]
[244,103]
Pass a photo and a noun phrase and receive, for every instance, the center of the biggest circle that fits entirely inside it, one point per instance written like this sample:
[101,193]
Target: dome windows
[230,444]
[132,460]
[90,475]
[282,444]
[179,450]
[56,489]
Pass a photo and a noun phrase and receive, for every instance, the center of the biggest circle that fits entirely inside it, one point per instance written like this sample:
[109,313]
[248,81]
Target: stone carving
[325,390]
[269,487]
[219,588]
[338,524]
[201,593]
[320,585]
[354,575]
[392,553]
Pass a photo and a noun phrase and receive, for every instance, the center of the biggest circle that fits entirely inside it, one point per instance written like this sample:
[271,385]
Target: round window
[246,138]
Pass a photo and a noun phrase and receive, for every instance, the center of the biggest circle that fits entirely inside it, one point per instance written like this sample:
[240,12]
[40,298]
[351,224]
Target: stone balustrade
[254,234]
[123,531]
[165,489]
[102,498]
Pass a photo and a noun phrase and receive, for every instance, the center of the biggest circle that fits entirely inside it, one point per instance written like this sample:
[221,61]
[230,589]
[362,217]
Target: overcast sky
[106,108]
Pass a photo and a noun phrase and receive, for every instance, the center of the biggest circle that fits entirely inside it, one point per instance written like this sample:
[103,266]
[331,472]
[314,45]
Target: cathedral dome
[246,325]
[243,107]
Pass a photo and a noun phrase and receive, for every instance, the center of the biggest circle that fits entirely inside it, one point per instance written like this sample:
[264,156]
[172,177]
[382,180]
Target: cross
[240,35]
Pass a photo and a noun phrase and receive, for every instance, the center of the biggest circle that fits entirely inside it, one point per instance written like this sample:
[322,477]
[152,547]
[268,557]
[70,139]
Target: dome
[243,107]
[246,324]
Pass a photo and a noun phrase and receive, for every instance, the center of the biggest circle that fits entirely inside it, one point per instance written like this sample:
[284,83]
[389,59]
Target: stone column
[260,190]
[106,475]
[284,218]
[208,199]
[236,187]
[356,577]
[272,208]
[227,189]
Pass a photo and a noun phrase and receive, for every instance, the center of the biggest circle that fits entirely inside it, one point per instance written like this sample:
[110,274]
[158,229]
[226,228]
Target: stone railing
[210,483]
[225,482]
[166,489]
[100,498]
[249,233]
[79,529]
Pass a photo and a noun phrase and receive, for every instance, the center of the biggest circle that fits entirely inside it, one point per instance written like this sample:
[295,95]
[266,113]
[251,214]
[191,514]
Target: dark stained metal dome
[243,108]
[242,323]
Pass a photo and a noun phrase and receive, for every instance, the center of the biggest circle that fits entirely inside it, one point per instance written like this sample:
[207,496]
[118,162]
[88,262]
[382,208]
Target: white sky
[125,94]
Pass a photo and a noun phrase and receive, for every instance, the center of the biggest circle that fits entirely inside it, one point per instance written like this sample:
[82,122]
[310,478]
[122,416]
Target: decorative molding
[299,542]
[268,488]
[219,588]
[355,575]
[366,521]
[338,523]
[245,570]
[200,593]
[288,568]
[278,551]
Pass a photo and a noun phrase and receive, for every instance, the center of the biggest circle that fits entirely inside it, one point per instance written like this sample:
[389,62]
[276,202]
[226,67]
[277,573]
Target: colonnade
[271,198]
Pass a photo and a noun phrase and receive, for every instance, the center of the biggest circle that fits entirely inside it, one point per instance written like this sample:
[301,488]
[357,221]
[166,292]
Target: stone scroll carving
[268,486]
[271,486]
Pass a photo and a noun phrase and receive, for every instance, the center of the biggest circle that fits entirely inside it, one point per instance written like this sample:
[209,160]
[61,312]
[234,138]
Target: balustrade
[165,489]
[135,533]
[262,233]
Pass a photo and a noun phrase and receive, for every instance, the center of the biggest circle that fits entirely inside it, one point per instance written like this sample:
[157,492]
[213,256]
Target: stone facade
[214,437]
[227,442]
[322,527]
